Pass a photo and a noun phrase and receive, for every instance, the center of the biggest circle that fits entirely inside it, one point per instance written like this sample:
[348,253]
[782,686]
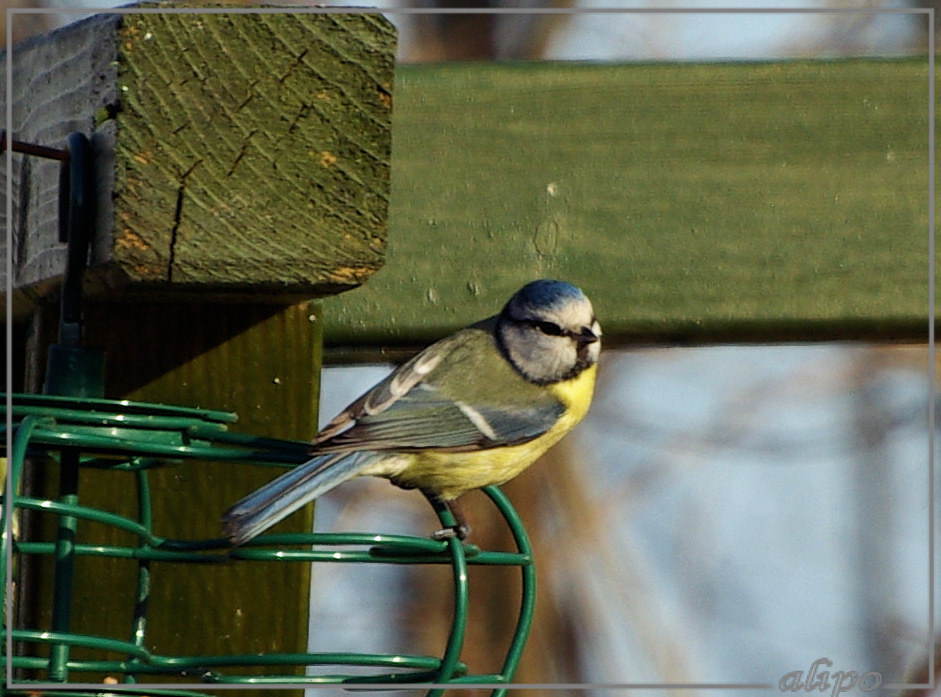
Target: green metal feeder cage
[126,436]
[72,427]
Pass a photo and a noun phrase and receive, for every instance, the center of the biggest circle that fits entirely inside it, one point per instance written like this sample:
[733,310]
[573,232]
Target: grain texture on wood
[237,154]
[261,363]
[693,203]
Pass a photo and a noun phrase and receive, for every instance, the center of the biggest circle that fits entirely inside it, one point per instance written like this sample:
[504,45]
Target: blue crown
[546,294]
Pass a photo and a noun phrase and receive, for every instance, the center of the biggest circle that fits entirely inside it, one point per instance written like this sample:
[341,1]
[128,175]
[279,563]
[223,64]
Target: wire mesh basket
[127,436]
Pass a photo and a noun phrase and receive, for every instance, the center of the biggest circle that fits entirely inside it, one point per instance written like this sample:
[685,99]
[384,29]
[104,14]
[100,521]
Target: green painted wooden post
[242,166]
[261,362]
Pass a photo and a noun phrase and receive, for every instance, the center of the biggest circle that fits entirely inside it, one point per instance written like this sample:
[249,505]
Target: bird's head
[548,331]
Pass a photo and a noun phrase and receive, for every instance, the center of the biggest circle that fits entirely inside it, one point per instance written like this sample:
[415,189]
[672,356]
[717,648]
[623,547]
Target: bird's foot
[460,531]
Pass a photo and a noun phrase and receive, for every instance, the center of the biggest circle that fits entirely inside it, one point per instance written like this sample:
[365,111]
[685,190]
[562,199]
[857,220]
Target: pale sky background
[726,35]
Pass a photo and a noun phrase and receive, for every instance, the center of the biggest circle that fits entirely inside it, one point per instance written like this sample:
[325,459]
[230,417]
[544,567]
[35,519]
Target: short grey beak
[586,336]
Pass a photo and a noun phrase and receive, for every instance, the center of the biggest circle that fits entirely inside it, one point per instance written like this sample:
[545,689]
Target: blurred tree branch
[485,36]
[24,25]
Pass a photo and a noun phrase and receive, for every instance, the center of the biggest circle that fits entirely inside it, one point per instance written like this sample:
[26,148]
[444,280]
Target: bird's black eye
[550,328]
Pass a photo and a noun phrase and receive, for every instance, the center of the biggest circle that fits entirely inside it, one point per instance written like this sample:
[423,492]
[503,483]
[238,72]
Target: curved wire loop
[121,435]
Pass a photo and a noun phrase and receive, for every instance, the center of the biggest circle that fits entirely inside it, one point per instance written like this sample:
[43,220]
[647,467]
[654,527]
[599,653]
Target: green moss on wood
[253,150]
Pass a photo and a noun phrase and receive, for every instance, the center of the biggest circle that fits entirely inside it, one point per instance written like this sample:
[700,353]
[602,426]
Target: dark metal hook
[71,369]
[77,210]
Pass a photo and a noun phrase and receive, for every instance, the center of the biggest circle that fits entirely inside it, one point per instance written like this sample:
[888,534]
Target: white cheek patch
[570,316]
[577,317]
[594,351]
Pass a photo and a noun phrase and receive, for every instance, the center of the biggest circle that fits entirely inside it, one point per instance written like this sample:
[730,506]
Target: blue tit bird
[471,410]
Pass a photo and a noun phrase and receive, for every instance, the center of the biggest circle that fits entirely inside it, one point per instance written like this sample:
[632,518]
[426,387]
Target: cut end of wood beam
[235,152]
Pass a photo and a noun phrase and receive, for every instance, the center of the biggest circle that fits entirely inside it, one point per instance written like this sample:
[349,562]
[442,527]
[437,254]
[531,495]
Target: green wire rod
[136,437]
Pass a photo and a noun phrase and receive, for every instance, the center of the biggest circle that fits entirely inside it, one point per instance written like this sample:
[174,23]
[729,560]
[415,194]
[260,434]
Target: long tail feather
[282,496]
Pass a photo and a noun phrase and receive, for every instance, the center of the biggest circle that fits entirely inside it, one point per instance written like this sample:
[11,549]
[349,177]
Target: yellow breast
[452,474]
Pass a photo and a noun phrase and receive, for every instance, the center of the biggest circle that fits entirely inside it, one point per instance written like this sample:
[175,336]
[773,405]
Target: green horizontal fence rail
[136,437]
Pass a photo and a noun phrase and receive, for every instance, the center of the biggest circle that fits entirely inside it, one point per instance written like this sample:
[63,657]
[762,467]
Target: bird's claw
[459,531]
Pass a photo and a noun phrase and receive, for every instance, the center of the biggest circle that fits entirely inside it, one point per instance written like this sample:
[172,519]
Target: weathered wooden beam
[695,203]
[245,155]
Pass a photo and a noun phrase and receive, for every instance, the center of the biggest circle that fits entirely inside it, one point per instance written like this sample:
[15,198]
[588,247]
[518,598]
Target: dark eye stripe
[550,328]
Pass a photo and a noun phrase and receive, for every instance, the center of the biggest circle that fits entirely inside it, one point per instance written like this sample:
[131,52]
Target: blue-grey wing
[425,419]
[458,394]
